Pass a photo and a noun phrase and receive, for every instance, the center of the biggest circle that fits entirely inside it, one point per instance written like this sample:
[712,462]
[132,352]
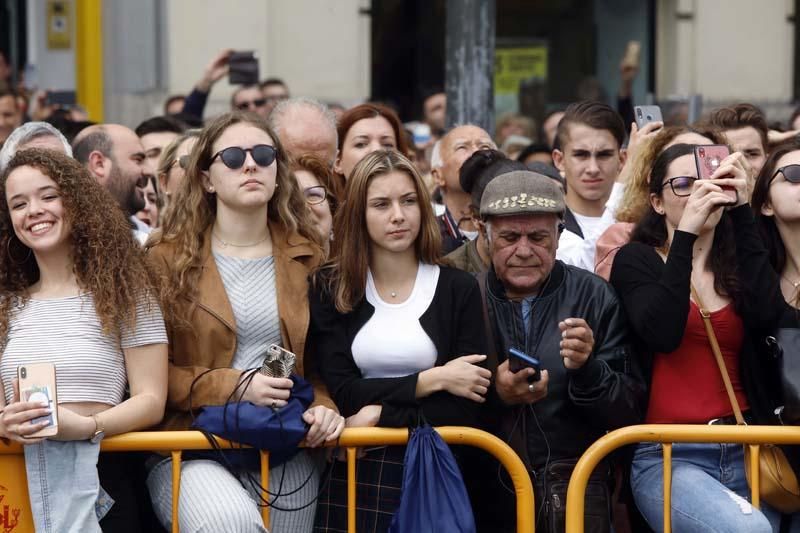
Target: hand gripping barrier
[15,507]
[667,434]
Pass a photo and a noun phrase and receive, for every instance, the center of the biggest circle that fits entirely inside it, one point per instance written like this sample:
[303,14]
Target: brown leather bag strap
[712,338]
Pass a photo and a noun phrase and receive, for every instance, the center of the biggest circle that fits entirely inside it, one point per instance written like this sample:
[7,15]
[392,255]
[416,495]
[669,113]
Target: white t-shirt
[578,252]
[392,343]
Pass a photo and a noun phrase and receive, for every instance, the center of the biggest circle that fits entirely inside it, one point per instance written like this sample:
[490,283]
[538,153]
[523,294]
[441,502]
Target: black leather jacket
[581,405]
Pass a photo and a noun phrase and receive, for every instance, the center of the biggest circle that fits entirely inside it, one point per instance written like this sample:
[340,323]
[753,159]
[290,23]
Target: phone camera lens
[639,112]
[649,117]
[23,372]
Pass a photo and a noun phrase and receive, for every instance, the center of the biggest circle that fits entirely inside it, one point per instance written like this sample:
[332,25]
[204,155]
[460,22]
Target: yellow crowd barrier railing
[667,434]
[14,502]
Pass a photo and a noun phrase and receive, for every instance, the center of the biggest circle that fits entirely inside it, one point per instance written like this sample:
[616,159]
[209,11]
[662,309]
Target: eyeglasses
[680,185]
[182,161]
[258,102]
[315,195]
[234,157]
[790,172]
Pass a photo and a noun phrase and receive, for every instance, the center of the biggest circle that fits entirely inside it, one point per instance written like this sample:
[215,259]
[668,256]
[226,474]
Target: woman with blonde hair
[398,337]
[78,293]
[236,249]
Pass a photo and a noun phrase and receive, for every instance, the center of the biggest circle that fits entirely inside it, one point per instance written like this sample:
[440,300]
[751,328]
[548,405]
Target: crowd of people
[546,286]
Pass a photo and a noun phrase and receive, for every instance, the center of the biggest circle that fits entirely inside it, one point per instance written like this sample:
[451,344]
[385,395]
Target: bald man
[455,147]
[114,155]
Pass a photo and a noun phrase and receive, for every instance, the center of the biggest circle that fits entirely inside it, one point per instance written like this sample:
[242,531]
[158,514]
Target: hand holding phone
[517,360]
[37,383]
[647,114]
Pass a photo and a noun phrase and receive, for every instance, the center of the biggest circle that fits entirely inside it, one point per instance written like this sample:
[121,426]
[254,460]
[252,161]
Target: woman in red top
[696,234]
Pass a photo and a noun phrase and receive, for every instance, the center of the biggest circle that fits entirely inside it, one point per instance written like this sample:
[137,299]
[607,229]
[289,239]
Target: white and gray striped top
[90,365]
[250,285]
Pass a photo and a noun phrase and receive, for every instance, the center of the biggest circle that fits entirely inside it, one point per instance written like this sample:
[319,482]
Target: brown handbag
[778,483]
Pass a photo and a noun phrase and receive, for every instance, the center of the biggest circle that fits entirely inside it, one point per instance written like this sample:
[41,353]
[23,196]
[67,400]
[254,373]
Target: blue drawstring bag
[433,497]
[264,428]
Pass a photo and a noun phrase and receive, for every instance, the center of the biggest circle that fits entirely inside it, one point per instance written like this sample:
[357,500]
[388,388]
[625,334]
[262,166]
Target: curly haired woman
[78,293]
[236,250]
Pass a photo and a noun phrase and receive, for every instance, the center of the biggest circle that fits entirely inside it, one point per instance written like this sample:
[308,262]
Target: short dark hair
[596,115]
[160,124]
[272,81]
[741,115]
[98,140]
[535,148]
[5,91]
[482,167]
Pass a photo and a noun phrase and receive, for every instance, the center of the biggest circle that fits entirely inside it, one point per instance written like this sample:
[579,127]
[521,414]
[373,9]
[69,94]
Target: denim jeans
[709,490]
[64,487]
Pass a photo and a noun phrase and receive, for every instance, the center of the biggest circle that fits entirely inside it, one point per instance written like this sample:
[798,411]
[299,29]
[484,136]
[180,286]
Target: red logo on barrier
[9,519]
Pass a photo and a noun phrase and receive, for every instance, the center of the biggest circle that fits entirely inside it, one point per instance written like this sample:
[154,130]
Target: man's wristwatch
[99,431]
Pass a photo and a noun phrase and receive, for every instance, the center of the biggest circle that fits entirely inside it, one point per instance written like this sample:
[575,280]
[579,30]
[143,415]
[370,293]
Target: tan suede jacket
[211,342]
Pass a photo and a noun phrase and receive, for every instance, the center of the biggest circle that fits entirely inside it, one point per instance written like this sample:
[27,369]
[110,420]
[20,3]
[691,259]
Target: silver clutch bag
[278,363]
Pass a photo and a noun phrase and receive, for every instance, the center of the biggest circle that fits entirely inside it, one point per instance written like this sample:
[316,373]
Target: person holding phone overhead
[398,338]
[696,253]
[79,296]
[236,251]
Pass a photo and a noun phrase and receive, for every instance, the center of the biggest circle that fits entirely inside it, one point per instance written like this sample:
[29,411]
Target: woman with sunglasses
[173,163]
[236,250]
[697,247]
[315,180]
[397,337]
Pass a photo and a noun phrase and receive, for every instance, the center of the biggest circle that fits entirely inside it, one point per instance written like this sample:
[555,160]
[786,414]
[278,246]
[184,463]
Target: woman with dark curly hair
[696,255]
[236,250]
[78,293]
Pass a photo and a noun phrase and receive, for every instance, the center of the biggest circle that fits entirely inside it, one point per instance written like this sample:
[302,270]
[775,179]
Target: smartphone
[37,383]
[243,68]
[708,158]
[633,52]
[517,360]
[645,114]
[62,98]
[278,362]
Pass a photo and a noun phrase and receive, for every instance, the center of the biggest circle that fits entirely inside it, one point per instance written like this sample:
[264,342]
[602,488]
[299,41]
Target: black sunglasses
[680,185]
[258,102]
[233,157]
[790,172]
[182,161]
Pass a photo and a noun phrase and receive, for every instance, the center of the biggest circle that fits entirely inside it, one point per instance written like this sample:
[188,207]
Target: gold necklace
[225,244]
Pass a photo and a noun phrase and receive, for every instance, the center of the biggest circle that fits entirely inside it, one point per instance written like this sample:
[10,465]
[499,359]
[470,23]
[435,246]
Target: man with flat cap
[564,372]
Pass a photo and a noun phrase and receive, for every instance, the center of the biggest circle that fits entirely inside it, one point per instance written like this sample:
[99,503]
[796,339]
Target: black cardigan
[454,322]
[655,295]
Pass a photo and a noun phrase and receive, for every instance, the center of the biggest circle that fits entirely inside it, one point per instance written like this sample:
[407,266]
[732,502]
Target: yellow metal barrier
[175,442]
[668,434]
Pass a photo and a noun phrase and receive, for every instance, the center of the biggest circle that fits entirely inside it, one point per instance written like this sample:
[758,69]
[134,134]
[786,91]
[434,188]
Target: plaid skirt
[379,480]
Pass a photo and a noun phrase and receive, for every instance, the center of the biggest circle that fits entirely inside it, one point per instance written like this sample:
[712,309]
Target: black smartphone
[517,360]
[243,68]
[62,98]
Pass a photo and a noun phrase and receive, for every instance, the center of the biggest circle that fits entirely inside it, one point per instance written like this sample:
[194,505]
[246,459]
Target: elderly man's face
[523,250]
[457,146]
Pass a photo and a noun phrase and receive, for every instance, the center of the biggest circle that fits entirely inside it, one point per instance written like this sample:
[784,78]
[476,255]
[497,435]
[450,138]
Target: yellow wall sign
[59,24]
[513,65]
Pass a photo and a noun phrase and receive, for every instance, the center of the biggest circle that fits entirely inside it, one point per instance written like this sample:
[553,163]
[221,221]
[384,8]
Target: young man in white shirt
[589,154]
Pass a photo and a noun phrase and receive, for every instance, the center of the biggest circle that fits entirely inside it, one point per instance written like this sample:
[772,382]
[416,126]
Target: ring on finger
[530,387]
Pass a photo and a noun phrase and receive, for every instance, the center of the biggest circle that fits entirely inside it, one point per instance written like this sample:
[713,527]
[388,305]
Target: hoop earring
[11,256]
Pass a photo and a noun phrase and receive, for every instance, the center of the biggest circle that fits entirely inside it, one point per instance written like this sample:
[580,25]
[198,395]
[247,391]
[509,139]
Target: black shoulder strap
[491,355]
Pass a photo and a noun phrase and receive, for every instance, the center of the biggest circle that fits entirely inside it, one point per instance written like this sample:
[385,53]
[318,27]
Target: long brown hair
[350,251]
[194,210]
[766,224]
[106,260]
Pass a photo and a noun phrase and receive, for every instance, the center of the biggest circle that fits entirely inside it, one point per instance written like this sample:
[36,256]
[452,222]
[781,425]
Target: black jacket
[656,298]
[454,322]
[581,405]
